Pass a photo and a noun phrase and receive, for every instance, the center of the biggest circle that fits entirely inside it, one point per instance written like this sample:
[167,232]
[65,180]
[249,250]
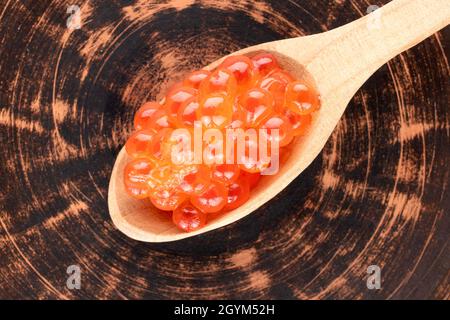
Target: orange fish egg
[136,174]
[175,99]
[215,111]
[242,69]
[264,63]
[187,114]
[238,194]
[299,123]
[142,119]
[212,199]
[225,173]
[194,79]
[219,81]
[167,200]
[138,144]
[283,126]
[258,104]
[301,99]
[188,218]
[276,82]
[194,179]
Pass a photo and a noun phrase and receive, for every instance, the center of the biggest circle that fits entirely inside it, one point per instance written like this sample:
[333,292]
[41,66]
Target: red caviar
[188,218]
[195,78]
[252,97]
[144,115]
[238,194]
[264,63]
[136,175]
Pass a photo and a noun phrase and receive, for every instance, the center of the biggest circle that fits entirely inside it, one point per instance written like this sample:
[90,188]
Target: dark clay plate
[377,195]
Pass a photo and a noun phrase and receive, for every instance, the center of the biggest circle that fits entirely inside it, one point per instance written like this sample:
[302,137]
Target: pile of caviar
[242,92]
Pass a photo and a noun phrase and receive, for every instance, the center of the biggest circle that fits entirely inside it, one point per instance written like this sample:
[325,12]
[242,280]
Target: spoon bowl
[338,62]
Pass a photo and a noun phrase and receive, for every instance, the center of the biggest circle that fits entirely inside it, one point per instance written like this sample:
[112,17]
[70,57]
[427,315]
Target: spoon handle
[349,55]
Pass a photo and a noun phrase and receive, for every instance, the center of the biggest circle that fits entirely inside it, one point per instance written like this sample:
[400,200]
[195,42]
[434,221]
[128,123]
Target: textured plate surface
[377,195]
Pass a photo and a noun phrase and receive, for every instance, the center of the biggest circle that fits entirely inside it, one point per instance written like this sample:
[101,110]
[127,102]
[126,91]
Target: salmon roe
[250,94]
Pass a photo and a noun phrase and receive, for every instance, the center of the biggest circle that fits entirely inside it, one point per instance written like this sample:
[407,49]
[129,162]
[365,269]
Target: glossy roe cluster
[241,92]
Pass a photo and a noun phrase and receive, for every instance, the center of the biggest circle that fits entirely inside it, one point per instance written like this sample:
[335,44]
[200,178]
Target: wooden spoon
[339,61]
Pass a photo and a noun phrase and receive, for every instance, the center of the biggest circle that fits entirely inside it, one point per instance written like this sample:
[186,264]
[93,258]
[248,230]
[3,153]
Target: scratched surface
[377,195]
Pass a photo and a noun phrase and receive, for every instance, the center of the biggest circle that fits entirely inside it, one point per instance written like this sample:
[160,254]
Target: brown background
[378,193]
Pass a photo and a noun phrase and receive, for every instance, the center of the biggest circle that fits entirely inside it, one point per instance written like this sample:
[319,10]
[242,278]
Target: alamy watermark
[74,280]
[74,20]
[374,22]
[251,148]
[374,278]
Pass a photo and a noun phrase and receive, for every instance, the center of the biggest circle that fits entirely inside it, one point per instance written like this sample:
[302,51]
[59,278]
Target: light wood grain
[339,61]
